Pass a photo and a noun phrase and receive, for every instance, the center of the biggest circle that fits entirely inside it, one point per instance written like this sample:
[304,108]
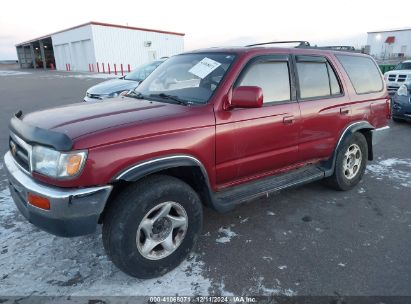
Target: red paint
[234,144]
[129,68]
[122,72]
[98,67]
[115,69]
[51,66]
[104,70]
[108,64]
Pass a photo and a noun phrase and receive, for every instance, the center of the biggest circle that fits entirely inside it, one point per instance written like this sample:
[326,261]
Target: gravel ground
[305,241]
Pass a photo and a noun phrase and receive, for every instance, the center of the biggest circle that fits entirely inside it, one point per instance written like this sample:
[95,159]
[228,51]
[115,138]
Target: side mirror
[246,97]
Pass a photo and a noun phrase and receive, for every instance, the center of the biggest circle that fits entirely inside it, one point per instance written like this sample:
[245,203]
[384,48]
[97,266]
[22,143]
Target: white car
[395,78]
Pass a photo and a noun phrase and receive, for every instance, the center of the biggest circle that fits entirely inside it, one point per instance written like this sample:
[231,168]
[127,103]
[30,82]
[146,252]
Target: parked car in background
[207,128]
[396,77]
[401,103]
[114,87]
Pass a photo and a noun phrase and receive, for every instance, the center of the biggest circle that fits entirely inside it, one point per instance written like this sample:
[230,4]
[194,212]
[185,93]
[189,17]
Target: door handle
[288,120]
[344,110]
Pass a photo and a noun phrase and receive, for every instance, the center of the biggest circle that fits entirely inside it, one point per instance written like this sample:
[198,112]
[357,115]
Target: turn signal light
[38,201]
[73,164]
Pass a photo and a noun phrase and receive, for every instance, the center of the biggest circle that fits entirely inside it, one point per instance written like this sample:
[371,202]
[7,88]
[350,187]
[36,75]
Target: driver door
[255,142]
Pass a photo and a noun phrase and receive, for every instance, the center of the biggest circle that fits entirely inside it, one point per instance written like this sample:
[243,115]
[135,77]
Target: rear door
[259,141]
[325,108]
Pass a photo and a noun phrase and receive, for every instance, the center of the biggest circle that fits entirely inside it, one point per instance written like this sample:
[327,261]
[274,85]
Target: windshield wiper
[173,98]
[134,94]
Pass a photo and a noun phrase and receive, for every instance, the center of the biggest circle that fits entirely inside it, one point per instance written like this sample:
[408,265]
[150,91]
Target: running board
[226,200]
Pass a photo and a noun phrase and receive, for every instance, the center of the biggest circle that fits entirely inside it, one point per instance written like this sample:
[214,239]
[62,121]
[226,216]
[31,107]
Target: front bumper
[401,107]
[73,212]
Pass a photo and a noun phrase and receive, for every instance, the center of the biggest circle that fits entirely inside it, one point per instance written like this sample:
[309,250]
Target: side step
[226,200]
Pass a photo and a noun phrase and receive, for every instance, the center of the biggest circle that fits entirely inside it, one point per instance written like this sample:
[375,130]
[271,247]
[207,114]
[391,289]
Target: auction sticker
[204,67]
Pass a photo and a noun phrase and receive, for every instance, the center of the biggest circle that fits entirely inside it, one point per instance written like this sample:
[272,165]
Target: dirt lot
[306,241]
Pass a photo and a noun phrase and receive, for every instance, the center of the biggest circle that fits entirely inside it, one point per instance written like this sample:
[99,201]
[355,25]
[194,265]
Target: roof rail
[301,43]
[337,47]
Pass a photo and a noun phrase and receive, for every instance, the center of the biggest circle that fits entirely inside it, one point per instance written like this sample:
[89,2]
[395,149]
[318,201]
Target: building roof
[102,24]
[391,30]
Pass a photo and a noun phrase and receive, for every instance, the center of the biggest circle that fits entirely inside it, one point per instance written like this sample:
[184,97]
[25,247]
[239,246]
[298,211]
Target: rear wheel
[350,163]
[151,227]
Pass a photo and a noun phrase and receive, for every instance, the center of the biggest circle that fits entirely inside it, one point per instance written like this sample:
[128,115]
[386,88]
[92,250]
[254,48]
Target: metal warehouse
[390,44]
[99,47]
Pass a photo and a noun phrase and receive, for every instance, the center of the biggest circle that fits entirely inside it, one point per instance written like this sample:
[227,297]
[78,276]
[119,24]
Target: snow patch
[342,264]
[270,213]
[52,266]
[361,190]
[12,73]
[394,169]
[262,290]
[228,235]
[282,267]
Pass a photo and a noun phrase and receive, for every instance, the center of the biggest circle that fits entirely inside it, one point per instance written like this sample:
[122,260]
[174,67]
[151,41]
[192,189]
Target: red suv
[214,127]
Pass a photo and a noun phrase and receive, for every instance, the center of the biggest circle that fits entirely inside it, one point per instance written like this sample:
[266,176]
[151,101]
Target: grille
[401,78]
[20,151]
[392,77]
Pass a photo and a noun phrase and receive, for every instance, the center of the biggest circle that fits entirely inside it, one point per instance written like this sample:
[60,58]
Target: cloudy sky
[207,23]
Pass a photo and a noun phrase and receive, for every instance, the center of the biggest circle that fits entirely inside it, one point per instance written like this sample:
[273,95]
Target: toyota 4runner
[214,127]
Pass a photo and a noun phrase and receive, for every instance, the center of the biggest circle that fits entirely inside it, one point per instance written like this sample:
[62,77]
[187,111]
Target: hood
[80,119]
[112,86]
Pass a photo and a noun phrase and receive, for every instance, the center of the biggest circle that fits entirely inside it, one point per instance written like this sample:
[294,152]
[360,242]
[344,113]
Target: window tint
[363,73]
[272,77]
[313,78]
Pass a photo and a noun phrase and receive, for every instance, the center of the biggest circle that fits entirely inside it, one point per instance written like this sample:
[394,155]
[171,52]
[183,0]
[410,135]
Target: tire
[145,203]
[345,178]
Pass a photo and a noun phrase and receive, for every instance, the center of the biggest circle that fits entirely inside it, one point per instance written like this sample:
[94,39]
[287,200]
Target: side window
[317,79]
[363,73]
[313,79]
[272,76]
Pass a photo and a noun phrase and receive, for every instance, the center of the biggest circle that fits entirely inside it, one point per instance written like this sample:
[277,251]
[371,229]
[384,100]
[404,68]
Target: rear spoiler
[35,135]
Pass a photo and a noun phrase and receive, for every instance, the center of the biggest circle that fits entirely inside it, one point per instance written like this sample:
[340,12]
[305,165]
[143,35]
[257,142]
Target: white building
[98,47]
[390,44]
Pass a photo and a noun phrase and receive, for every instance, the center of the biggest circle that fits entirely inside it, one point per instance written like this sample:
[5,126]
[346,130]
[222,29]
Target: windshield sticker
[204,67]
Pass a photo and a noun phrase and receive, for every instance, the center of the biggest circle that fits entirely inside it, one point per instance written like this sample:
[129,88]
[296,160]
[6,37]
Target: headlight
[402,91]
[57,164]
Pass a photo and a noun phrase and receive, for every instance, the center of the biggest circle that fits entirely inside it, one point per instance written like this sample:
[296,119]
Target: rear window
[363,73]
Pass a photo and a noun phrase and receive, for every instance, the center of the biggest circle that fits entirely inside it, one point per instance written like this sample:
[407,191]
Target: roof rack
[301,43]
[337,47]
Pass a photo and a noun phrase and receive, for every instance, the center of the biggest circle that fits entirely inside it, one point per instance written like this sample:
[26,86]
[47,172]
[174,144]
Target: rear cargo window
[363,73]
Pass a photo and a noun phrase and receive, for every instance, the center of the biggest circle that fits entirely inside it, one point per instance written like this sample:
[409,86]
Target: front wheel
[152,226]
[350,163]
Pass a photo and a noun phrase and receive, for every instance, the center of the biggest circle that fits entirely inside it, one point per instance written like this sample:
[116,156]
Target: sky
[207,23]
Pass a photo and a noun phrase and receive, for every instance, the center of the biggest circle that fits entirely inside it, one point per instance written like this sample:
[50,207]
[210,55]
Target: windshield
[142,72]
[189,78]
[403,66]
